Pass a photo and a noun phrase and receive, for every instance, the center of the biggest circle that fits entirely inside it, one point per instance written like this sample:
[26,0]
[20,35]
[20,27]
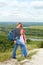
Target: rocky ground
[37,59]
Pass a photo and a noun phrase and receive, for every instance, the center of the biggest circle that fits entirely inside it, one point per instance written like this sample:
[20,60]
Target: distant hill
[33,23]
[24,23]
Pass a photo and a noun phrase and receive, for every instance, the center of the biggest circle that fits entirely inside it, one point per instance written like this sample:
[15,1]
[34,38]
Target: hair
[21,25]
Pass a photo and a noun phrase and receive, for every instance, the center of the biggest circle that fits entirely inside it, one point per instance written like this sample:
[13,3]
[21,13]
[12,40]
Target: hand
[14,42]
[25,41]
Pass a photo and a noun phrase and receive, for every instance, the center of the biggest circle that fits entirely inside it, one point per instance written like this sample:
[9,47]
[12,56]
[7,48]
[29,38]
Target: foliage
[41,45]
[6,45]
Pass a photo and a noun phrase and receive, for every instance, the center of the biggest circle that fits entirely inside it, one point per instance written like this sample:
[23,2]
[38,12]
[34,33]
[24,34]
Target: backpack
[11,35]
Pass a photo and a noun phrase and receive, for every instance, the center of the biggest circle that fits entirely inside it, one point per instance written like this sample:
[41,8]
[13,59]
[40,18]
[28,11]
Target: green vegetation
[6,46]
[34,31]
[28,57]
[35,44]
[5,56]
[36,27]
[8,53]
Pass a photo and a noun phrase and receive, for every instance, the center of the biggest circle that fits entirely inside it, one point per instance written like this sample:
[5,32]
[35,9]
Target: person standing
[17,41]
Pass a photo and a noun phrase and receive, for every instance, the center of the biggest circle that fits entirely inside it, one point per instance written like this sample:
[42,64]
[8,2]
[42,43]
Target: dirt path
[37,59]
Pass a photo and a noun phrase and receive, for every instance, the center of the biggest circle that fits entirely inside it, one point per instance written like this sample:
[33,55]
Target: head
[19,25]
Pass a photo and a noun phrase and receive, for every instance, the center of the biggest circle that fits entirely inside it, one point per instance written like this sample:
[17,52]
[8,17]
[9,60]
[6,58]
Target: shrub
[41,45]
[28,40]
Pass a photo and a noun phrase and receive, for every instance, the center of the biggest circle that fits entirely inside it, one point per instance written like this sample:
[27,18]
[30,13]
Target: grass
[36,27]
[29,56]
[8,54]
[34,32]
[33,36]
[31,44]
[5,56]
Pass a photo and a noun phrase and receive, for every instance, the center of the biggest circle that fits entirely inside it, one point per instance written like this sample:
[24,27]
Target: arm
[25,38]
[14,34]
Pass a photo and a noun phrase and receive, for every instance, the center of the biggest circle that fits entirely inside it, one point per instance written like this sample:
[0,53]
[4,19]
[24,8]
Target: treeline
[35,32]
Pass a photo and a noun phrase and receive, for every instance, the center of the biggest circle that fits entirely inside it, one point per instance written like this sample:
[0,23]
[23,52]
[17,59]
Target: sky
[21,10]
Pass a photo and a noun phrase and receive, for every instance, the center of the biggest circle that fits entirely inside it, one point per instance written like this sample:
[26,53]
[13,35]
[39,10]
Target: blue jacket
[17,33]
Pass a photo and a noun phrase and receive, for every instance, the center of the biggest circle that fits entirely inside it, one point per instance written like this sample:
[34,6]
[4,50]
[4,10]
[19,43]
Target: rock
[24,62]
[10,62]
